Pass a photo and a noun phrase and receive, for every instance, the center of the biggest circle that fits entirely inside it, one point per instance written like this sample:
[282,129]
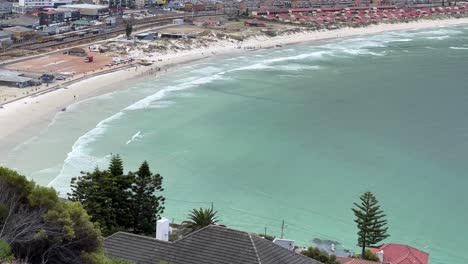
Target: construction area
[63,64]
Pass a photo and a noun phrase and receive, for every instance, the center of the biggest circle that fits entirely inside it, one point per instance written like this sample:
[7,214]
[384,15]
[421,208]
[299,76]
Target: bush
[315,253]
[368,255]
[5,252]
[100,258]
[267,237]
[40,226]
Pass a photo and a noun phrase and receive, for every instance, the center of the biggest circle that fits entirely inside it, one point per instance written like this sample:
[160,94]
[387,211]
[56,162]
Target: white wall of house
[35,3]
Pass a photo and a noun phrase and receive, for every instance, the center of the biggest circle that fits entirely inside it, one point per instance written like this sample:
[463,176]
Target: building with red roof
[344,260]
[400,254]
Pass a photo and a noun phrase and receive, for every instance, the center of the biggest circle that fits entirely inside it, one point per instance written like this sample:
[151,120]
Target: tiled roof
[402,254]
[344,260]
[210,245]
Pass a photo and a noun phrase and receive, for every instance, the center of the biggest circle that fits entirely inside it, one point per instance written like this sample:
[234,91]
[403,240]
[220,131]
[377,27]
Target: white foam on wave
[439,37]
[441,31]
[79,158]
[298,67]
[148,101]
[315,55]
[163,104]
[207,70]
[256,66]
[459,48]
[135,137]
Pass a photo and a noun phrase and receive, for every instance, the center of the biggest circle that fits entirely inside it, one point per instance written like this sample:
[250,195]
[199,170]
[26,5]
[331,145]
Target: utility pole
[265,231]
[211,206]
[282,230]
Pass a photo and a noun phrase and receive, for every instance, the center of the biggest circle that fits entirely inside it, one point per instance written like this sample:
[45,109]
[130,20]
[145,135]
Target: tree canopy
[371,222]
[199,218]
[128,30]
[38,227]
[145,202]
[315,253]
[119,201]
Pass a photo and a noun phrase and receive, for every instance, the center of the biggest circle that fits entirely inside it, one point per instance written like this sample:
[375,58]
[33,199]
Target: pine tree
[147,203]
[106,196]
[128,30]
[116,165]
[91,189]
[120,193]
[370,220]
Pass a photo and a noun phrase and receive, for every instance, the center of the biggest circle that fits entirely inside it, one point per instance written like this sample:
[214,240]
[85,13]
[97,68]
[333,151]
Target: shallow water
[294,134]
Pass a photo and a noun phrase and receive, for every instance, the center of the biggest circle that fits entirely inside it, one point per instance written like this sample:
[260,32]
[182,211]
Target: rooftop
[10,76]
[18,29]
[24,20]
[85,6]
[4,34]
[209,245]
[402,254]
[344,260]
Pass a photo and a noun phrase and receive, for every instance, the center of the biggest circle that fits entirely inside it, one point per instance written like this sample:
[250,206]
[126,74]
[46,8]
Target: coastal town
[49,44]
[54,53]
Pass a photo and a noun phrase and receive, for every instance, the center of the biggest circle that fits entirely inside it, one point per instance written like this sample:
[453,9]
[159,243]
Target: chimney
[380,255]
[162,229]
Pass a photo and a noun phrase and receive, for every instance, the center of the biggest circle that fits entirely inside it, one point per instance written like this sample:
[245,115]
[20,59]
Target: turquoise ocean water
[294,133]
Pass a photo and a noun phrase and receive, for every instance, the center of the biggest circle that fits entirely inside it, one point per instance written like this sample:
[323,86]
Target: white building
[35,3]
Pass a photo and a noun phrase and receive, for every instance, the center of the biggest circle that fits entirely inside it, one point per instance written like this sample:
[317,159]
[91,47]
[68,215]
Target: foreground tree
[147,205]
[119,201]
[37,227]
[370,220]
[92,190]
[199,218]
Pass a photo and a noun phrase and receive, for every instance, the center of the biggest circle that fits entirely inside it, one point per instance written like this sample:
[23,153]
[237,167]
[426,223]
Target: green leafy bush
[315,253]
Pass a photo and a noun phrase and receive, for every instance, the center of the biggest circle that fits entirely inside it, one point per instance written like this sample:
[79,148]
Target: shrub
[5,252]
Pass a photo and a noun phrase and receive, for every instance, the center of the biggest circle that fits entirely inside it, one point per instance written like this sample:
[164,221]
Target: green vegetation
[368,255]
[35,225]
[6,254]
[372,227]
[318,255]
[128,30]
[119,201]
[145,203]
[199,218]
[267,237]
[100,258]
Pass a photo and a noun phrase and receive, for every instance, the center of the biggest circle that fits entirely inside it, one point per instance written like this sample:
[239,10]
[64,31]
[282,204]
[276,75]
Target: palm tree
[199,218]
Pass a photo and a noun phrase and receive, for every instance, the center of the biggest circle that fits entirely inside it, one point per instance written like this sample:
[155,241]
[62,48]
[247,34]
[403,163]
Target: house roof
[13,77]
[18,29]
[344,260]
[402,254]
[24,20]
[209,245]
[5,34]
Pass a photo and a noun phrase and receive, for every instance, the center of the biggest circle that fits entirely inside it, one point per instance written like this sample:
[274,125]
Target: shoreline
[27,117]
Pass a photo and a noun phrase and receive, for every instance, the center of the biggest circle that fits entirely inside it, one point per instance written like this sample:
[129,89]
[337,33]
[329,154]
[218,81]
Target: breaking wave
[147,102]
[135,137]
[459,48]
[79,158]
[439,37]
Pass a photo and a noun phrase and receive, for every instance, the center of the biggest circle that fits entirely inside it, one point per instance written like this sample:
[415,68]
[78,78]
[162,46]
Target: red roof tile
[402,254]
[343,260]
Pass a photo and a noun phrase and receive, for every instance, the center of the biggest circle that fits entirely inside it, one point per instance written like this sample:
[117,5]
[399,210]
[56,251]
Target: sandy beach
[24,118]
